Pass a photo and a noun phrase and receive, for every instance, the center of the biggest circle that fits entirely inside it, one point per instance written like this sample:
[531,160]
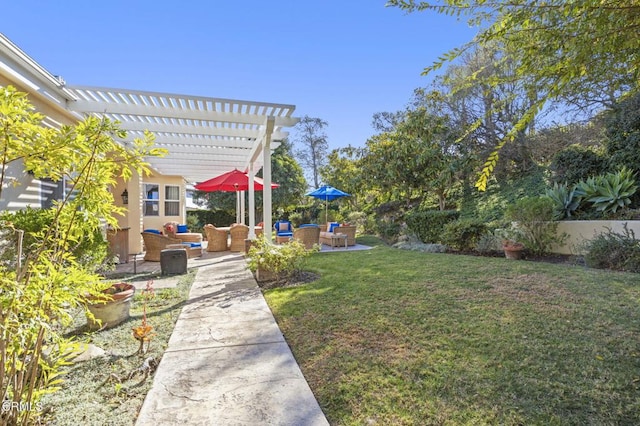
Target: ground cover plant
[100,391]
[390,336]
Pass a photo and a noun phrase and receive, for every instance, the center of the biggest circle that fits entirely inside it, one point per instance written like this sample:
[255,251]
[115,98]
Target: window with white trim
[171,200]
[151,202]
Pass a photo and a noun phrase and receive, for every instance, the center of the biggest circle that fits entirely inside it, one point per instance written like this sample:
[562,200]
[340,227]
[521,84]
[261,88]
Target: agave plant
[565,200]
[609,192]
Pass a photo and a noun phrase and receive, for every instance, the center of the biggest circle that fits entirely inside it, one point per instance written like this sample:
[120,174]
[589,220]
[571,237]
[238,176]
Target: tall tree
[343,171]
[289,175]
[583,52]
[418,157]
[313,145]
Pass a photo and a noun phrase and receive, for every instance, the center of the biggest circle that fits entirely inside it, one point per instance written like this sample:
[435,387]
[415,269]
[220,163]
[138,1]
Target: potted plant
[113,308]
[512,249]
[511,239]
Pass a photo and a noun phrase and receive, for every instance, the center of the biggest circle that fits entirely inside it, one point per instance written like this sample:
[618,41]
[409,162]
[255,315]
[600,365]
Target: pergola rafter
[204,136]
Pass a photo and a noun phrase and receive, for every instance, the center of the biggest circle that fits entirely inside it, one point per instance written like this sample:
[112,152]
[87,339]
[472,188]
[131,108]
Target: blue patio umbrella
[327,193]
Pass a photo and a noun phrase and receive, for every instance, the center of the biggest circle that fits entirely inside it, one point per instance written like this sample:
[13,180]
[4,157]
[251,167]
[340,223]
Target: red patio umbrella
[233,181]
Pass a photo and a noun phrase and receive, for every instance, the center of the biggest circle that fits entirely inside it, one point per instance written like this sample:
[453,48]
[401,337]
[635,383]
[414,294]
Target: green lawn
[396,337]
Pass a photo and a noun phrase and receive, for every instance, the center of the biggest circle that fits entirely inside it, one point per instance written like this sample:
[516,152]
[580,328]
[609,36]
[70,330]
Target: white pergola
[204,136]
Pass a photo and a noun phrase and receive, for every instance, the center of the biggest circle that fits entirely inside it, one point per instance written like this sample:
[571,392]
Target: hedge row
[429,225]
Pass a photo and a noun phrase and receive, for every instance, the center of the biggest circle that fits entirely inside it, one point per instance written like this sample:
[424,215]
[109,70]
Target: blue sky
[341,61]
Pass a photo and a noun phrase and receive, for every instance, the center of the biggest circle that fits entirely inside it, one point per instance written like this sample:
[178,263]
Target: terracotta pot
[114,311]
[513,251]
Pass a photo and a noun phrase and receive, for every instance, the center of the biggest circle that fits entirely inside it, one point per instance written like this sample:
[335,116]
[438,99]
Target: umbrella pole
[326,210]
[237,206]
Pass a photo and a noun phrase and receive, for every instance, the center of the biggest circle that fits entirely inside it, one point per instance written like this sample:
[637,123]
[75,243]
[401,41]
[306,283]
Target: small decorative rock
[87,351]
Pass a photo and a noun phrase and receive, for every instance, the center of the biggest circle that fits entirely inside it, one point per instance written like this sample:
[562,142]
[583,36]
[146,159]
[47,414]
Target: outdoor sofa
[335,228]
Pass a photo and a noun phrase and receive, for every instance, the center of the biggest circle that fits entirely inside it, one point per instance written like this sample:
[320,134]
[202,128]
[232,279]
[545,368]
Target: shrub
[577,163]
[534,217]
[612,250]
[89,251]
[193,223]
[388,230]
[282,260]
[38,296]
[488,243]
[217,217]
[463,234]
[362,221]
[296,219]
[429,225]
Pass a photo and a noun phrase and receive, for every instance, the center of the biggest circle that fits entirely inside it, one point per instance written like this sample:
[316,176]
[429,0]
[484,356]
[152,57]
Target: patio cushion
[332,225]
[192,244]
[283,226]
[182,229]
[153,231]
[285,234]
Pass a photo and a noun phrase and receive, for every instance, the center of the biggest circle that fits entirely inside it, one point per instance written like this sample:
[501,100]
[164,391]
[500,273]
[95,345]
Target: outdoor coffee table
[336,239]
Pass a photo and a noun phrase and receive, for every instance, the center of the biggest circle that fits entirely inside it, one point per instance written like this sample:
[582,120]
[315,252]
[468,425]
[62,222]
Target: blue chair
[284,231]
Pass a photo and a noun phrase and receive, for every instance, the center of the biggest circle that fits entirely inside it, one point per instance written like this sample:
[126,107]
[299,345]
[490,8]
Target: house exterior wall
[136,220]
[22,190]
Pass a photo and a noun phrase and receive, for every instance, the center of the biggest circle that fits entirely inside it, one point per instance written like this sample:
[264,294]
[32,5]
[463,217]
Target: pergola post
[252,203]
[266,172]
[242,207]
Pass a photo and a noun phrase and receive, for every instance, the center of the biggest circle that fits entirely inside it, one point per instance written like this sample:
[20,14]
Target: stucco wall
[135,219]
[580,230]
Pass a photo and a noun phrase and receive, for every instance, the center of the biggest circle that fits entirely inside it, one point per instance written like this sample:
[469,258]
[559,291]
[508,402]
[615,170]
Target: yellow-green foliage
[282,260]
[38,289]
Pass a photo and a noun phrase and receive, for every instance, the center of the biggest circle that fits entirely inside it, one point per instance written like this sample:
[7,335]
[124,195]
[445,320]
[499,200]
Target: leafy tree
[343,171]
[623,133]
[289,175]
[418,157]
[582,52]
[312,140]
[38,289]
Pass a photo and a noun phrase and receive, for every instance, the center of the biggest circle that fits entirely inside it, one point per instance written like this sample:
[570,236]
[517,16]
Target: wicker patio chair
[155,243]
[216,238]
[307,235]
[284,231]
[239,233]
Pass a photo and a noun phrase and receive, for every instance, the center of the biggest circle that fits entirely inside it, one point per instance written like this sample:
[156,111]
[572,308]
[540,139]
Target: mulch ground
[299,278]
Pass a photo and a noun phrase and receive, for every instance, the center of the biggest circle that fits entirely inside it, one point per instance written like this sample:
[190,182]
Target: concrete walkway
[227,362]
